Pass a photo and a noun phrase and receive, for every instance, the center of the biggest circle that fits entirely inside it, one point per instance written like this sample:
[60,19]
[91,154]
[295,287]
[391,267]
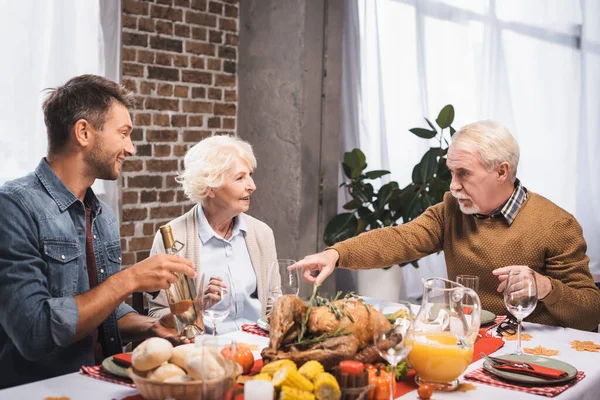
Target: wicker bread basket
[194,390]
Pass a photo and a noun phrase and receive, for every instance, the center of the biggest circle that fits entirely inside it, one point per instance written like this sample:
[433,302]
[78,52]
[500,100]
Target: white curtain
[533,66]
[45,43]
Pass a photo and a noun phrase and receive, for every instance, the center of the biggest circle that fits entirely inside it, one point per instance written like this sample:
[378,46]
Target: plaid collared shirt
[510,209]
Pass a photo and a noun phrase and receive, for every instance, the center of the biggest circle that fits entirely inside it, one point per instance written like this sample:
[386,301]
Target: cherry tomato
[425,392]
[352,367]
[243,357]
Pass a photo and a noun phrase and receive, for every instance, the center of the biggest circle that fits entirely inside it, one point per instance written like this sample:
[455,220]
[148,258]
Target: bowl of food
[194,371]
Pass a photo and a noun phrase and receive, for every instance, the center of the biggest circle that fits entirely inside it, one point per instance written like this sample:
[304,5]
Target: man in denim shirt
[61,288]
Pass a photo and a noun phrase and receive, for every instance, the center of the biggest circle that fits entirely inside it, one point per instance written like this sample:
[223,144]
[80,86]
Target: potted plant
[390,205]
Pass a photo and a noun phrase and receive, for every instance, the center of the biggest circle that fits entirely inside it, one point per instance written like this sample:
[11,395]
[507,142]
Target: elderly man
[60,253]
[488,225]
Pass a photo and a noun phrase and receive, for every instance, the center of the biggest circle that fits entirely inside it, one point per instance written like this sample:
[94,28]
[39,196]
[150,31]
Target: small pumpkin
[380,379]
[243,356]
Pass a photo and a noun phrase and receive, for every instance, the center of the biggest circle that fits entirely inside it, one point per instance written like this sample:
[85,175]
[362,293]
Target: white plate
[533,380]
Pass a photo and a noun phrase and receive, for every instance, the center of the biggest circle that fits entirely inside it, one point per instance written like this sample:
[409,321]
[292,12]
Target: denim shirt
[42,269]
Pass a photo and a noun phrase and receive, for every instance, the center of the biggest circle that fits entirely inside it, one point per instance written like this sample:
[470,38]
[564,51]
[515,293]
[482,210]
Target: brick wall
[180,58]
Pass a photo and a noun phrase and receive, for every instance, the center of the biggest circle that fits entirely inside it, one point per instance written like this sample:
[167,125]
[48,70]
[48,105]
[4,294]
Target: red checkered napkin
[255,329]
[483,376]
[99,373]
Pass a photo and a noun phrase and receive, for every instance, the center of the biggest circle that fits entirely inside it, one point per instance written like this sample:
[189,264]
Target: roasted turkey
[352,320]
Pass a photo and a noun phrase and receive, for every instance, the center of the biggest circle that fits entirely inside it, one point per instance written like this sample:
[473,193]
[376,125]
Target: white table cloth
[77,386]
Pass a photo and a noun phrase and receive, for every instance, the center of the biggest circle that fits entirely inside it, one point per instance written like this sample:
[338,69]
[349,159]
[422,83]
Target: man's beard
[474,209]
[102,165]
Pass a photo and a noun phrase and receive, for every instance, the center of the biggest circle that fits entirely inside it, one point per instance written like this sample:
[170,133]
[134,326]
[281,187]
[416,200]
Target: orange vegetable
[425,392]
[379,378]
[243,356]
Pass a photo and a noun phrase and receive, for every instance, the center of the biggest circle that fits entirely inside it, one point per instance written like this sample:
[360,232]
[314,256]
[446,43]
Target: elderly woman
[216,232]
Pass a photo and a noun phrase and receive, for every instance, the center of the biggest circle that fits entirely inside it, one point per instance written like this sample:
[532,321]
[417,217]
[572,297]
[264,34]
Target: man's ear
[503,171]
[82,133]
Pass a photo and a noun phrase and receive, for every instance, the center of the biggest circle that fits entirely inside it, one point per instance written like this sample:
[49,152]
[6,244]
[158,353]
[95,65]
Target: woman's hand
[317,267]
[212,292]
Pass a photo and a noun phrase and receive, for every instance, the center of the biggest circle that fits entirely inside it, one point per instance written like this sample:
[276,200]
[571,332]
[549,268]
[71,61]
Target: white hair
[206,163]
[491,142]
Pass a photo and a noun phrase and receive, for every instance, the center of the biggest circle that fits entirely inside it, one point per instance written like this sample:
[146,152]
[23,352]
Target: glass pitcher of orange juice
[442,336]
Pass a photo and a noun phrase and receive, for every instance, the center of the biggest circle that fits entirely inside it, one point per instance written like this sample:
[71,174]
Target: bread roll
[179,354]
[165,371]
[151,353]
[202,364]
[178,379]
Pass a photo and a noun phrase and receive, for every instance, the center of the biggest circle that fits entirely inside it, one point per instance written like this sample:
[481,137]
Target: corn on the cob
[290,393]
[311,369]
[326,387]
[291,377]
[261,377]
[274,366]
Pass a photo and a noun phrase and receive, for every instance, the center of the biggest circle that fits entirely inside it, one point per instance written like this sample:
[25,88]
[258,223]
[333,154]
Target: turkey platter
[328,332]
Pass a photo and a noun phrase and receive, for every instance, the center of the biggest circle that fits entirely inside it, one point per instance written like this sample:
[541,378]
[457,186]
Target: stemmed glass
[217,300]
[287,282]
[390,343]
[520,297]
[290,280]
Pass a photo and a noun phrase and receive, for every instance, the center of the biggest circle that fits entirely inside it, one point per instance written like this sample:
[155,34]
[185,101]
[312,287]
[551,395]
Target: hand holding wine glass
[391,344]
[217,301]
[520,297]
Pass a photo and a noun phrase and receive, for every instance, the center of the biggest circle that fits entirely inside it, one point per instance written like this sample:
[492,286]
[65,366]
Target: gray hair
[491,142]
[206,163]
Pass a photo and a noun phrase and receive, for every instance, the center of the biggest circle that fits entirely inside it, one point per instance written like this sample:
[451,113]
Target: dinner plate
[487,317]
[110,366]
[262,323]
[533,380]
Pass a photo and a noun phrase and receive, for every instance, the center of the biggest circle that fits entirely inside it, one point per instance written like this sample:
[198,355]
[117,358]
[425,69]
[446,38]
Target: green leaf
[425,170]
[357,191]
[341,227]
[362,226]
[376,174]
[423,133]
[363,212]
[431,125]
[347,170]
[396,201]
[443,173]
[356,160]
[384,195]
[452,131]
[352,204]
[446,116]
[369,191]
[386,218]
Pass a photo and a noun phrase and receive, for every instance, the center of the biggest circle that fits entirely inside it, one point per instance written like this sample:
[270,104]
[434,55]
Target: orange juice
[436,356]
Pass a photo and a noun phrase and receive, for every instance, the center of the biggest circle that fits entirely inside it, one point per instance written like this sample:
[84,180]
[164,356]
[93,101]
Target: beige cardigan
[261,248]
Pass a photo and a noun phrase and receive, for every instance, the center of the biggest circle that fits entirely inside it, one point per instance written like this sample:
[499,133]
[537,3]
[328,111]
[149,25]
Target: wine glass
[390,343]
[217,299]
[520,297]
[471,282]
[287,282]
